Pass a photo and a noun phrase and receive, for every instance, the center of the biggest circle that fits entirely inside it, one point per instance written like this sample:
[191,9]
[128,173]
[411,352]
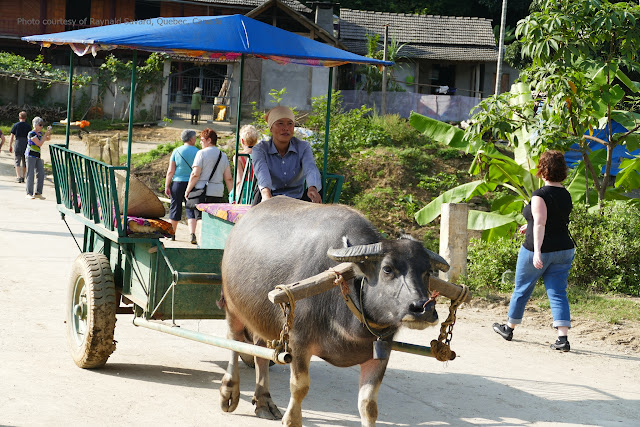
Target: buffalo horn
[356,253]
[437,262]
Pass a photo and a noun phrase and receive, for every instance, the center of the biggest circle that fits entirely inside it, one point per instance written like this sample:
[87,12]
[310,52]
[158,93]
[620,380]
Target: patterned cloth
[136,225]
[228,211]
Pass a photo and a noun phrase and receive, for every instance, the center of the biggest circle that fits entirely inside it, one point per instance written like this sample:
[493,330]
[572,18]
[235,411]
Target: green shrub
[399,130]
[440,182]
[374,200]
[349,130]
[607,253]
[491,264]
[607,249]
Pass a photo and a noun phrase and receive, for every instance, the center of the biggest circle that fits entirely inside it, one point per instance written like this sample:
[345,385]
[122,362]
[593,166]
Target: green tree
[582,53]
[372,81]
[115,76]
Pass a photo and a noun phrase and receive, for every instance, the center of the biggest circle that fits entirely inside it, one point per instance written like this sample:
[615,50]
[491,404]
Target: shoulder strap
[185,160]
[215,167]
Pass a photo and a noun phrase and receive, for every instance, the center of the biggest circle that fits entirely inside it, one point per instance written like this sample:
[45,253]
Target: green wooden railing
[87,187]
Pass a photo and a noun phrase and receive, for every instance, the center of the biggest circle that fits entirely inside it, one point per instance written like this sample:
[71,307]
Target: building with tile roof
[218,79]
[435,52]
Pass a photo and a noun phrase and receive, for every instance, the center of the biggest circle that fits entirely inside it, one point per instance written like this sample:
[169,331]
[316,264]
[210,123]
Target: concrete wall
[401,71]
[489,83]
[464,78]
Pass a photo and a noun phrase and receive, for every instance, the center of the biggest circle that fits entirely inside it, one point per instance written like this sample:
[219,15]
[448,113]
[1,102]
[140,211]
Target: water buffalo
[284,240]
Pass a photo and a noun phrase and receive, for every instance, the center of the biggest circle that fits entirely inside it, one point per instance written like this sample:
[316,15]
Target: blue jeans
[554,273]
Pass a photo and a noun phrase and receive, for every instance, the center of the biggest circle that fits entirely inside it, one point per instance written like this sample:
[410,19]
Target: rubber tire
[91,311]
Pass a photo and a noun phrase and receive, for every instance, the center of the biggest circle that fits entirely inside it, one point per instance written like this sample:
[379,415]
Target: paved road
[156,379]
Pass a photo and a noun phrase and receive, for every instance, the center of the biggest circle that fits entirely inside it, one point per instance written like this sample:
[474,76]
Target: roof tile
[424,36]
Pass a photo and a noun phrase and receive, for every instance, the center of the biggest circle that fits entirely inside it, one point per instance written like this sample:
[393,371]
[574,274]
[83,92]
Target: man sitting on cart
[283,163]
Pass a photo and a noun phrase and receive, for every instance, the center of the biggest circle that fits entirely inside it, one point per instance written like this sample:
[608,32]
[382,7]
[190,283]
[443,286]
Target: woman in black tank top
[547,251]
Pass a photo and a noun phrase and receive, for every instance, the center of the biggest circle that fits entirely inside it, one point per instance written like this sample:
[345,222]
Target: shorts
[178,189]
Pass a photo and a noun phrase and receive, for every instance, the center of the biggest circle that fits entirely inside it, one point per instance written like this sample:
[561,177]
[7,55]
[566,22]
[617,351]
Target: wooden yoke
[326,280]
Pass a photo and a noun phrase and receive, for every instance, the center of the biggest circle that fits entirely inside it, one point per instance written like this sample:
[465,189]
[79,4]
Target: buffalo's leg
[265,408]
[299,386]
[230,387]
[371,373]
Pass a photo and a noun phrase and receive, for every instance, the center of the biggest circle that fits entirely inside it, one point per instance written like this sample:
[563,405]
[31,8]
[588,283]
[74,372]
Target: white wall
[302,83]
[402,70]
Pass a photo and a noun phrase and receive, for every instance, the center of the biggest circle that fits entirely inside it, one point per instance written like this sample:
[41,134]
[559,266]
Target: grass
[606,308]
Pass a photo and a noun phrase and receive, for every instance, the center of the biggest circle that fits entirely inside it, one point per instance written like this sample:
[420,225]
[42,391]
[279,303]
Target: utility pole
[383,107]
[501,47]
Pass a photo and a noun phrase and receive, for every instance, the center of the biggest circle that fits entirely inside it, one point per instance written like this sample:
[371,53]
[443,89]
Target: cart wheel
[91,314]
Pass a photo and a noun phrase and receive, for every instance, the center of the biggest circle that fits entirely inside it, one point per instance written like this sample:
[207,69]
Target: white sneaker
[29,196]
[39,196]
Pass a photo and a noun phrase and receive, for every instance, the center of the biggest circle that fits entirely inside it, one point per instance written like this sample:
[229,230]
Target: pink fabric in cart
[231,212]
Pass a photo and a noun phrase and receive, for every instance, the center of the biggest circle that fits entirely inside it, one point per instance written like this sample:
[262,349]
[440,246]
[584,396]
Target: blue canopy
[620,152]
[213,37]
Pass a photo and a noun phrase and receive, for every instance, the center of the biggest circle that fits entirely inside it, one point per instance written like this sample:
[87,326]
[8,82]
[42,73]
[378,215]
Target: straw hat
[142,201]
[197,89]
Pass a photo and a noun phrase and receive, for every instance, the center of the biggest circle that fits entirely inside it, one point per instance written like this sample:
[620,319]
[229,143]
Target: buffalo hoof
[269,413]
[229,395]
[267,409]
[292,420]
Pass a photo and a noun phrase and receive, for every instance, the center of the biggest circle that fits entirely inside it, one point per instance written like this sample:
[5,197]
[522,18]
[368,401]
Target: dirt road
[156,379]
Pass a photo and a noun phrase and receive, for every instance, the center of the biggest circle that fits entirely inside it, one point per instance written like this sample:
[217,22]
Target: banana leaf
[455,195]
[439,131]
[629,175]
[480,220]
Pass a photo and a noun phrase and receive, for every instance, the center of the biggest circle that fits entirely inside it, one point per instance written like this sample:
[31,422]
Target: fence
[446,108]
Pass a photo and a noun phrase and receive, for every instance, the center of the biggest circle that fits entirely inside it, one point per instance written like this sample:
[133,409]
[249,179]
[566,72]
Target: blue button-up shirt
[285,175]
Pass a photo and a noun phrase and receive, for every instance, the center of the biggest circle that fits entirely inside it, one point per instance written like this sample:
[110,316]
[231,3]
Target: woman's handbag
[198,195]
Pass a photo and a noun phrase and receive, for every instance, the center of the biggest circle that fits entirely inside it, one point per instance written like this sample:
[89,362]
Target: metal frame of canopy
[83,41]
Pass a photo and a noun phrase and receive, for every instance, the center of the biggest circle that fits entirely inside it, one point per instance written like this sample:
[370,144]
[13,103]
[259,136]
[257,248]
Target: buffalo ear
[437,262]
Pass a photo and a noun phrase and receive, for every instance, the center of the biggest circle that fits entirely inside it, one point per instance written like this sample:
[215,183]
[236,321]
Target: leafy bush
[607,253]
[399,130]
[373,200]
[491,264]
[440,182]
[607,248]
[349,130]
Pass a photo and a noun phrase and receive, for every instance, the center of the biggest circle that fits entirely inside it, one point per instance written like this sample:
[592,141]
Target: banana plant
[582,53]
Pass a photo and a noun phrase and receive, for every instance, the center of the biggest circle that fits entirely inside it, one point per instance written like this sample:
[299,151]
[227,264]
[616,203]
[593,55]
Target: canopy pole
[69,100]
[236,196]
[134,66]
[326,138]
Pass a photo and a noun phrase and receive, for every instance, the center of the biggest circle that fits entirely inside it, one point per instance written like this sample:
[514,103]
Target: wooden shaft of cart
[324,281]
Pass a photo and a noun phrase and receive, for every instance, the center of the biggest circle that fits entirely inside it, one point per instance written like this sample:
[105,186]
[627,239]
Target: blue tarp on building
[620,152]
